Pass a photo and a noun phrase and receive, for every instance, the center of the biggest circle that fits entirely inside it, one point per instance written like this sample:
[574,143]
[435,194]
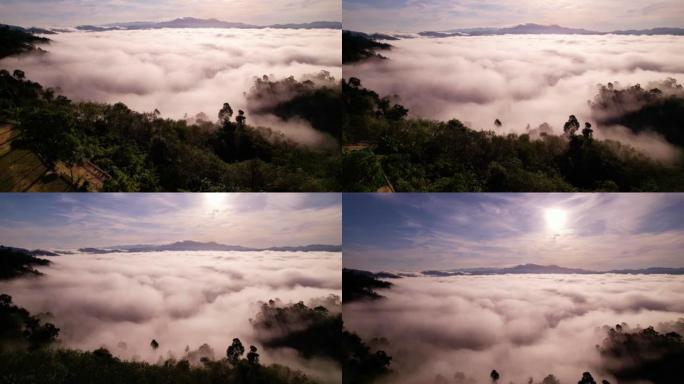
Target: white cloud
[522,80]
[603,232]
[182,72]
[178,298]
[253,220]
[522,326]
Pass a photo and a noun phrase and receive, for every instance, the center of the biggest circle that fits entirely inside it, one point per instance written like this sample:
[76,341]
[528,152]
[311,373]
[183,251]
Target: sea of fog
[521,79]
[180,72]
[521,325]
[124,300]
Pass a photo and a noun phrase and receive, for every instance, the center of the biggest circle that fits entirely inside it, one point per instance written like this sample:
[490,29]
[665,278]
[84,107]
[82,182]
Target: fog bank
[181,299]
[521,325]
[181,72]
[522,80]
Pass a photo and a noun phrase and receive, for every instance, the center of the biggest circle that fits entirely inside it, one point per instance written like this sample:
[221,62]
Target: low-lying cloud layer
[123,301]
[522,326]
[180,72]
[522,80]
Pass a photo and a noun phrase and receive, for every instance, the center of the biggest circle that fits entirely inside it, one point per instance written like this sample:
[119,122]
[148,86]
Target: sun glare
[555,219]
[214,200]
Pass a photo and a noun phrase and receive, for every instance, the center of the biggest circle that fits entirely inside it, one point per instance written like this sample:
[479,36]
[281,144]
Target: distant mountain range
[538,29]
[36,31]
[191,22]
[35,252]
[207,246]
[547,269]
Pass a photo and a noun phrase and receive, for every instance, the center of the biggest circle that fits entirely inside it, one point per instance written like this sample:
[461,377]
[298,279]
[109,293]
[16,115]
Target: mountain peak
[193,22]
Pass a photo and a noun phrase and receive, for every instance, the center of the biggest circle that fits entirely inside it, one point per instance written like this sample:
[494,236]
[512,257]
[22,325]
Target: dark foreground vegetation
[357,46]
[358,285]
[313,332]
[644,355]
[383,145]
[659,109]
[15,262]
[143,152]
[362,362]
[133,151]
[30,353]
[630,356]
[14,41]
[428,155]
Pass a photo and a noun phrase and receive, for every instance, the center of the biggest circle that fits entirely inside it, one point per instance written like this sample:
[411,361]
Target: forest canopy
[427,155]
[14,40]
[16,262]
[144,152]
[357,46]
[30,353]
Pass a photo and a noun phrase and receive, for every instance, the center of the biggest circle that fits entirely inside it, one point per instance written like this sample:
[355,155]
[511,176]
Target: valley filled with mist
[191,303]
[528,328]
[522,110]
[98,288]
[186,108]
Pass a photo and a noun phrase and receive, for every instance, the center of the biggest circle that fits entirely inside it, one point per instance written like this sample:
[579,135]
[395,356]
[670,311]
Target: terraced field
[22,171]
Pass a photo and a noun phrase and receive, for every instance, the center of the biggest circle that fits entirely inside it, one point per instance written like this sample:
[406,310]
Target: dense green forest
[14,41]
[313,332]
[15,262]
[144,152]
[357,46]
[428,155]
[358,285]
[383,144]
[30,353]
[362,363]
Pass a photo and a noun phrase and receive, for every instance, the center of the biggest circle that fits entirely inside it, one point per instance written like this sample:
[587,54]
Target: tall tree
[571,126]
[235,351]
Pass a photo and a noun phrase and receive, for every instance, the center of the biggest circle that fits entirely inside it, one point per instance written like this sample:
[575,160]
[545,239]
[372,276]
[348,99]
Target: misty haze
[514,288]
[182,72]
[98,285]
[525,81]
[122,301]
[507,96]
[171,96]
[522,326]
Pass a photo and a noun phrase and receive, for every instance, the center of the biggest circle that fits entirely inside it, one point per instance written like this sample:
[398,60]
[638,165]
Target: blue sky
[68,13]
[413,232]
[422,15]
[65,221]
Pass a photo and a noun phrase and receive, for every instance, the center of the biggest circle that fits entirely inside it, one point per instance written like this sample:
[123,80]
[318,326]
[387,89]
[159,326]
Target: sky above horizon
[438,15]
[415,232]
[70,13]
[67,221]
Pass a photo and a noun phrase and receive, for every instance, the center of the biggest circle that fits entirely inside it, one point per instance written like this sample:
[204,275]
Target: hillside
[15,40]
[427,155]
[136,151]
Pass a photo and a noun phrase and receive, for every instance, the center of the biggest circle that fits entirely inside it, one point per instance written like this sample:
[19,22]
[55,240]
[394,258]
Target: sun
[214,200]
[555,219]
